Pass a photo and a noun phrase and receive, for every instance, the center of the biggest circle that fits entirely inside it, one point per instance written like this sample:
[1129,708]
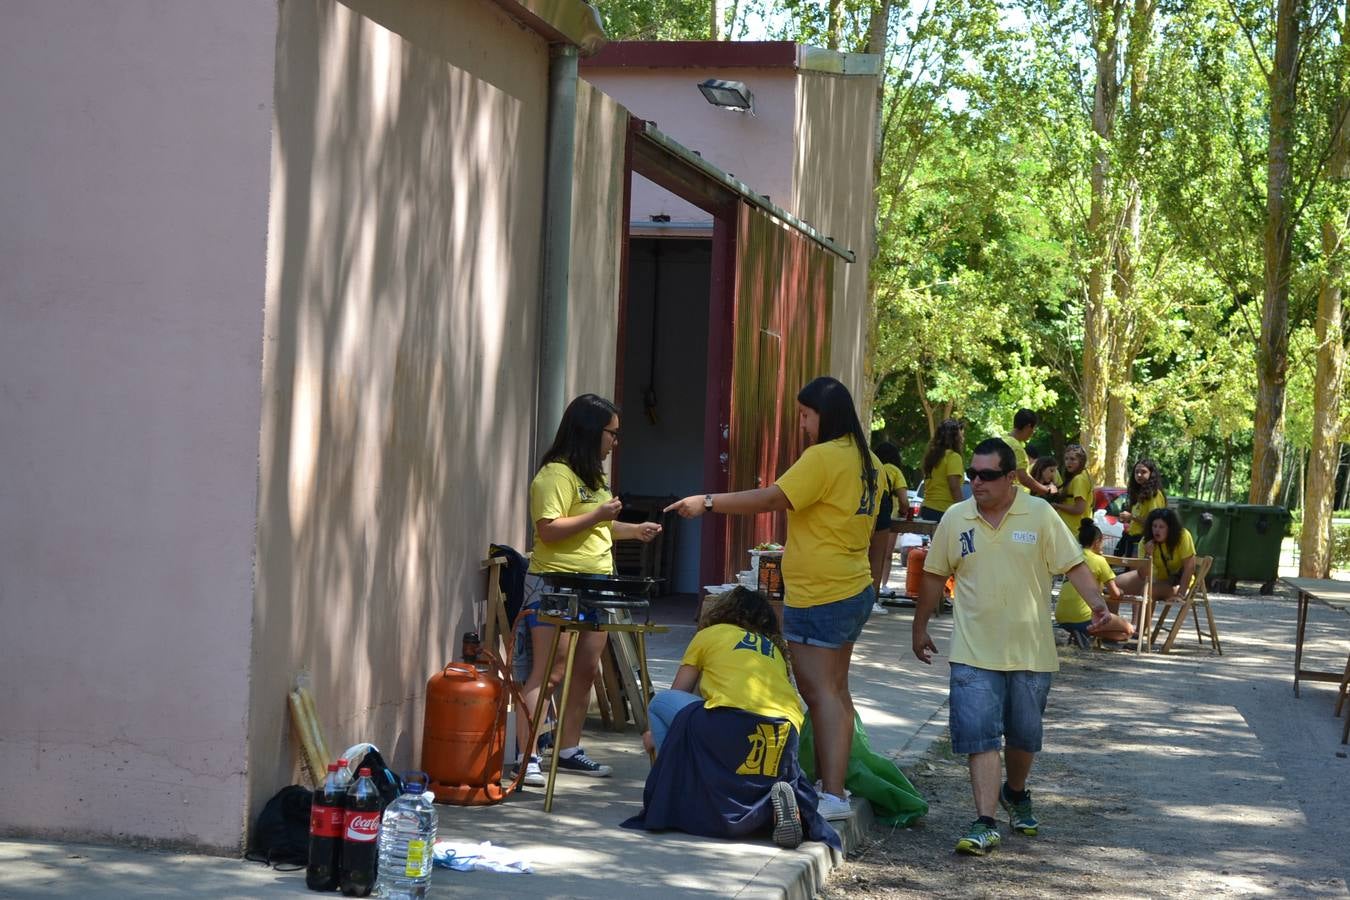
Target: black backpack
[281,836]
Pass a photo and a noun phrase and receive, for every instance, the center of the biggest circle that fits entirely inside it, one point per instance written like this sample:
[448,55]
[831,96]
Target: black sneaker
[787,822]
[581,764]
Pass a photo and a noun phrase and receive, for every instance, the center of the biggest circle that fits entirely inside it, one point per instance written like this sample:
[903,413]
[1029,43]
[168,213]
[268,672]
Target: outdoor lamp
[728,95]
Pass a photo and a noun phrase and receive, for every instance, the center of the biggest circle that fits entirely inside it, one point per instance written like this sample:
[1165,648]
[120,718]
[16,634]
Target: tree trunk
[1272,353]
[1096,320]
[877,28]
[714,21]
[1124,324]
[834,24]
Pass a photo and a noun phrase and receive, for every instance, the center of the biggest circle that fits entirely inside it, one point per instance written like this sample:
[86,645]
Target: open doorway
[665,396]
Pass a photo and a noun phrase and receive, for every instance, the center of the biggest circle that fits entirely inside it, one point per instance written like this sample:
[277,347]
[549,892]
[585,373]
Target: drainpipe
[562,109]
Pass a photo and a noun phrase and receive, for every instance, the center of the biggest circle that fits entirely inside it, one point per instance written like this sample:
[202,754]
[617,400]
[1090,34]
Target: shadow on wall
[399,360]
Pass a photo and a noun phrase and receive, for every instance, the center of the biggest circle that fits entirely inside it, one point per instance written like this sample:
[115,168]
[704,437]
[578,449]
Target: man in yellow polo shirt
[1003,545]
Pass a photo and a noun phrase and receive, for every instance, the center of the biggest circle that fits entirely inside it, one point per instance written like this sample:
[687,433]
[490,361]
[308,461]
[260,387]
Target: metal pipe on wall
[553,305]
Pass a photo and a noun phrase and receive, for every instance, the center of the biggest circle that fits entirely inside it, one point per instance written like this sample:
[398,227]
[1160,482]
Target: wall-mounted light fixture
[728,95]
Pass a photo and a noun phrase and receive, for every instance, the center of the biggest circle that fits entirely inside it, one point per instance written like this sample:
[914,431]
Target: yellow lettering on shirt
[767,743]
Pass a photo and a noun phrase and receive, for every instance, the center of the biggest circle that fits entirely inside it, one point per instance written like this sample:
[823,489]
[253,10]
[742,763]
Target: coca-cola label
[361,827]
[325,821]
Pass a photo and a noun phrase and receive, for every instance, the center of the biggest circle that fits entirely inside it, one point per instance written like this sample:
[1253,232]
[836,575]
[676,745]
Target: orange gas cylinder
[914,569]
[464,735]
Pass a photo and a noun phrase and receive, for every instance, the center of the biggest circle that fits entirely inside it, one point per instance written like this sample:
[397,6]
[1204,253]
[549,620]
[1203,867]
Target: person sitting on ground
[726,733]
[1072,612]
[894,509]
[1074,501]
[1143,495]
[1172,550]
[943,465]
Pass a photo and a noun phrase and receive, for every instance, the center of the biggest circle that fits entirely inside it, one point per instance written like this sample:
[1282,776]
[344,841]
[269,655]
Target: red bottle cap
[363,773]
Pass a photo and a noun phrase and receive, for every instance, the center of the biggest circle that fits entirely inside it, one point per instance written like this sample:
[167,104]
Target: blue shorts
[990,708]
[829,625]
[929,514]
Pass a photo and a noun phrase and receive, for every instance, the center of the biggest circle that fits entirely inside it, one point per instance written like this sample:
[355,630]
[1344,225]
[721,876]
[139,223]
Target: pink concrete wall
[756,149]
[133,167]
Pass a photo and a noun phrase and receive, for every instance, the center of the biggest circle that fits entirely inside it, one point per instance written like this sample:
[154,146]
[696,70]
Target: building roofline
[731,55]
[560,21]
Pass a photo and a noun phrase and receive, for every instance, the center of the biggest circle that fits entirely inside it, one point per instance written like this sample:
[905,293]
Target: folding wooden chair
[1141,605]
[1196,595]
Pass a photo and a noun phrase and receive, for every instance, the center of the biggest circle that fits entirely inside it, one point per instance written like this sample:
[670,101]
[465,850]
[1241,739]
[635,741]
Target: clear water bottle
[407,831]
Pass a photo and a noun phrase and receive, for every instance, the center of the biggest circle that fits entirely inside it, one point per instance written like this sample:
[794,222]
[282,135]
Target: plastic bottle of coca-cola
[325,829]
[360,834]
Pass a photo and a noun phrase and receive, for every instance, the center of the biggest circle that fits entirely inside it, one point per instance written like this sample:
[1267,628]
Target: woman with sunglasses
[830,497]
[575,525]
[942,465]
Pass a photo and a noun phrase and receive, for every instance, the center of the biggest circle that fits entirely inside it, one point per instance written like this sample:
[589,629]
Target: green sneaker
[1020,818]
[979,840]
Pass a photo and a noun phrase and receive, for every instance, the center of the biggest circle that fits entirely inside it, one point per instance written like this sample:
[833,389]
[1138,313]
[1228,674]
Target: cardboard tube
[316,732]
[313,761]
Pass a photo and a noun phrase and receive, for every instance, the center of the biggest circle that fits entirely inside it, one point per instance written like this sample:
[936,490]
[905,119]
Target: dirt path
[1179,776]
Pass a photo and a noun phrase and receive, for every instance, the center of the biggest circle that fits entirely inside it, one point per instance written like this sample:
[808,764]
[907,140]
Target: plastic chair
[1196,595]
[1141,605]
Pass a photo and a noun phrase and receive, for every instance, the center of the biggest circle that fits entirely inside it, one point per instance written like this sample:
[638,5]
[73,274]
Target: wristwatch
[707,503]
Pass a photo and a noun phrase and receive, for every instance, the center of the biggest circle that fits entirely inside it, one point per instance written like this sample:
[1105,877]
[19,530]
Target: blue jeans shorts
[829,625]
[989,708]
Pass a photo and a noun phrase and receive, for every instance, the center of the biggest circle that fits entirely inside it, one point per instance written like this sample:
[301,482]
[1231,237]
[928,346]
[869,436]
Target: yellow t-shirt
[556,493]
[1141,510]
[897,484]
[1019,450]
[829,527]
[1003,582]
[1072,608]
[1169,563]
[937,494]
[1079,486]
[743,670]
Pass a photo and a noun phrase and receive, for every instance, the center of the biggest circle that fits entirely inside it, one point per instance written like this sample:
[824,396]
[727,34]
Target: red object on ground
[360,833]
[914,570]
[464,735]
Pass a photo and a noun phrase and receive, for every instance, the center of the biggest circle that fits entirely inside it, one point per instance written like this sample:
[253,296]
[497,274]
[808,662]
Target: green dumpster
[1210,524]
[1254,543]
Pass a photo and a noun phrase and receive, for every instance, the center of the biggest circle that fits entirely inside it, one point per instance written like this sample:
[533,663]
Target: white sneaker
[831,807]
[534,776]
[879,610]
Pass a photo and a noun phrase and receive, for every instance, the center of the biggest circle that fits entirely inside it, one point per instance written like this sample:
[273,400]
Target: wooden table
[913,526]
[1333,594]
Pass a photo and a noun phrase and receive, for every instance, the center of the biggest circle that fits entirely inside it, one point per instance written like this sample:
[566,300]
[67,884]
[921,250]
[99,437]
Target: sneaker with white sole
[787,822]
[581,764]
[534,775]
[879,610]
[832,808]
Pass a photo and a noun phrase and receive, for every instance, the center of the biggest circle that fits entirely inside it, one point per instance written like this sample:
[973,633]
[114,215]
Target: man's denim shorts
[829,625]
[987,705]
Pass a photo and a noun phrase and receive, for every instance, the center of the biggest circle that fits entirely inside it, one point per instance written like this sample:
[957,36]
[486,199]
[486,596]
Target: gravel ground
[1164,776]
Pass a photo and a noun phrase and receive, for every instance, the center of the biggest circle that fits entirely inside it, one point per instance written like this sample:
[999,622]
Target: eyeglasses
[985,474]
[612,432]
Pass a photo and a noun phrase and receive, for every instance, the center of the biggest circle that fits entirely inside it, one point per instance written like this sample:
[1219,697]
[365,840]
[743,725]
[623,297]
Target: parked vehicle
[1110,499]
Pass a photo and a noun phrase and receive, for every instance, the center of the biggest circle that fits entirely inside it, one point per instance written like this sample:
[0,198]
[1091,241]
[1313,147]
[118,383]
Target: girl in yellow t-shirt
[943,467]
[574,517]
[1072,612]
[1143,495]
[737,659]
[1074,500]
[830,495]
[1172,550]
[894,509]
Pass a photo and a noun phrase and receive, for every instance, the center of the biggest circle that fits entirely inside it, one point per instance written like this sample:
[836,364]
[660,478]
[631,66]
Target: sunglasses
[985,474]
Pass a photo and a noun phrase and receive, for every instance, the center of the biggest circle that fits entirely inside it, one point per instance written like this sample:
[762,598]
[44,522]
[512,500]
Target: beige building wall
[597,244]
[833,189]
[133,167]
[399,363]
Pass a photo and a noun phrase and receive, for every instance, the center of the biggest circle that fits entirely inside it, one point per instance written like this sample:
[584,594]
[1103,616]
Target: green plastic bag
[870,775]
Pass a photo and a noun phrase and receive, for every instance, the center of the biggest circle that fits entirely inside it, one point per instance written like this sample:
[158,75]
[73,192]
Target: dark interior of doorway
[664,393]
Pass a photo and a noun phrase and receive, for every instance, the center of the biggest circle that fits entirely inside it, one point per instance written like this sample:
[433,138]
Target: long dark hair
[1074,450]
[1169,516]
[1041,464]
[1088,533]
[1136,491]
[577,443]
[752,611]
[838,418]
[947,437]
